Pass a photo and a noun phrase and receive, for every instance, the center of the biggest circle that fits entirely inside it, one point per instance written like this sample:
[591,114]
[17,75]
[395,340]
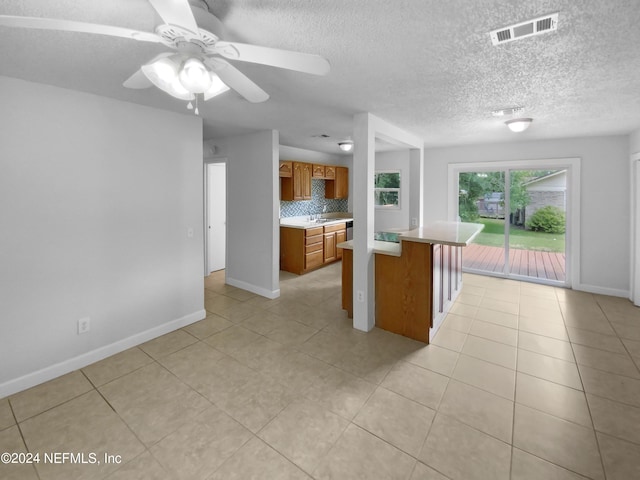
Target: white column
[363,213]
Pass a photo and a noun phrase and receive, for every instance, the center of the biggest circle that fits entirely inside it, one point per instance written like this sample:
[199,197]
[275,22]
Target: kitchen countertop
[304,222]
[458,234]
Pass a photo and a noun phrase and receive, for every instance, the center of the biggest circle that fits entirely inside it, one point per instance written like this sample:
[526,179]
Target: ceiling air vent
[507,111]
[537,26]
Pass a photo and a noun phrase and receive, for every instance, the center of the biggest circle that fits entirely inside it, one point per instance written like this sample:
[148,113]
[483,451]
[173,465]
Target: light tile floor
[522,382]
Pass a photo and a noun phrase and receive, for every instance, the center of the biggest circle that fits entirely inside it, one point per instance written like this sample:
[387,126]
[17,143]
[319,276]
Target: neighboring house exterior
[548,190]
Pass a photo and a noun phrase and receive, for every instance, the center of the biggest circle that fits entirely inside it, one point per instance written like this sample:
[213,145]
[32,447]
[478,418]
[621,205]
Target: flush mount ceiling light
[346,145]
[518,124]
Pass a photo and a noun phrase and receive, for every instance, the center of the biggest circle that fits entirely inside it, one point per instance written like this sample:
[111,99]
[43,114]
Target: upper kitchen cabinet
[298,185]
[318,171]
[329,172]
[286,169]
[338,187]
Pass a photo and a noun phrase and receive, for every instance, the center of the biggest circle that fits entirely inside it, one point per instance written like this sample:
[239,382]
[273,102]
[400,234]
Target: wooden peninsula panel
[417,280]
[403,291]
[347,281]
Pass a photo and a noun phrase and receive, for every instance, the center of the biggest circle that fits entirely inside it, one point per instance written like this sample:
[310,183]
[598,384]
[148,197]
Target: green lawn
[493,235]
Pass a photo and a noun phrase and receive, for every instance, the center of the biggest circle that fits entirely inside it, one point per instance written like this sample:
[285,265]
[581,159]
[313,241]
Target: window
[387,189]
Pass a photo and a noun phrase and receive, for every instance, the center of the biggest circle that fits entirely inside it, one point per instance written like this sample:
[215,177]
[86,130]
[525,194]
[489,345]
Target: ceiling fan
[198,64]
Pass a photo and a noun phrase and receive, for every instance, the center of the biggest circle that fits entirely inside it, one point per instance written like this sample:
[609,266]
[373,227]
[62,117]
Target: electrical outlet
[84,325]
[189,232]
[414,222]
[360,296]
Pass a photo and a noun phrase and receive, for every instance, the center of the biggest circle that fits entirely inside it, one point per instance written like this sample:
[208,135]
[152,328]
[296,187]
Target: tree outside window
[387,189]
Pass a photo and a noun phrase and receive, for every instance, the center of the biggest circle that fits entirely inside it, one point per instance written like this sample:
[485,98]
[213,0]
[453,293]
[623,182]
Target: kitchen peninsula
[418,275]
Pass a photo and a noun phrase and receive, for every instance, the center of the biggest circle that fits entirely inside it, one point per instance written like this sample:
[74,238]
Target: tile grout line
[515,390]
[24,441]
[593,426]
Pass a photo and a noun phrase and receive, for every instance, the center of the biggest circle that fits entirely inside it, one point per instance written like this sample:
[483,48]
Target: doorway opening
[526,212]
[215,217]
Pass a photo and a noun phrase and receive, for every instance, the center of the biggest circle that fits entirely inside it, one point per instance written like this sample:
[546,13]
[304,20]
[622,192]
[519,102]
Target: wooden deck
[530,263]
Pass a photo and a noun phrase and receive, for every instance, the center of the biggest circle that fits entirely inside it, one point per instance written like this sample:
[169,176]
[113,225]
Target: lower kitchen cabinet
[329,247]
[341,236]
[303,250]
[333,235]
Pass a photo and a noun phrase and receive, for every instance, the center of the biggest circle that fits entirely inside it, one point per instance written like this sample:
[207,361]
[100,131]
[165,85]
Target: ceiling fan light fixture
[163,74]
[346,145]
[194,76]
[518,125]
[217,87]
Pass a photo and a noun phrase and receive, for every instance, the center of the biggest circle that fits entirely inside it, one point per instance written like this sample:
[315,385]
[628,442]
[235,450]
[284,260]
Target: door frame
[634,290]
[572,236]
[205,219]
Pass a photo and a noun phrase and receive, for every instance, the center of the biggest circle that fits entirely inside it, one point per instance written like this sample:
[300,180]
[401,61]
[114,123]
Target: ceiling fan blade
[300,62]
[176,12]
[237,80]
[71,26]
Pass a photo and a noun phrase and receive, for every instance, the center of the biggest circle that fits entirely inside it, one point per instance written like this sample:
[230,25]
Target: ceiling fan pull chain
[189,106]
[196,110]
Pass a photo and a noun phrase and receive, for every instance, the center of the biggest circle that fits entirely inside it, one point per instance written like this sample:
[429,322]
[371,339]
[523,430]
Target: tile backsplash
[313,206]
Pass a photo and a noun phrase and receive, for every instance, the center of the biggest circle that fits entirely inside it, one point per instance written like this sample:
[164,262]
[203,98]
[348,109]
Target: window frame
[388,189]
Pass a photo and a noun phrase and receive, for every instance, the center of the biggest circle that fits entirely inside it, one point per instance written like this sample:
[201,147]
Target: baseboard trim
[263,292]
[49,373]
[612,292]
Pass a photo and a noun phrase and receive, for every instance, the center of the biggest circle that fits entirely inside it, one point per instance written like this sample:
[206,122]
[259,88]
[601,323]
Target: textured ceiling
[427,66]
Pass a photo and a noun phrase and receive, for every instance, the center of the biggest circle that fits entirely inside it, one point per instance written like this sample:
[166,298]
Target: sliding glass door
[481,200]
[524,217]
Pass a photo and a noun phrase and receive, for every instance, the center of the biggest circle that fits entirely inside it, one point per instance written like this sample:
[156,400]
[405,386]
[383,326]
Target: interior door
[217,215]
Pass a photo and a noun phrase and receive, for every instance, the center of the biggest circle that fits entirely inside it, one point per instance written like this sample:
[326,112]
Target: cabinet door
[306,181]
[341,236]
[342,182]
[338,187]
[286,169]
[329,171]
[318,171]
[297,181]
[329,247]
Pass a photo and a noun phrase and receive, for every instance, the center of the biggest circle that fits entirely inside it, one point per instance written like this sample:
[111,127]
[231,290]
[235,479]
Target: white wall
[604,204]
[386,219]
[96,197]
[253,231]
[634,142]
[311,156]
